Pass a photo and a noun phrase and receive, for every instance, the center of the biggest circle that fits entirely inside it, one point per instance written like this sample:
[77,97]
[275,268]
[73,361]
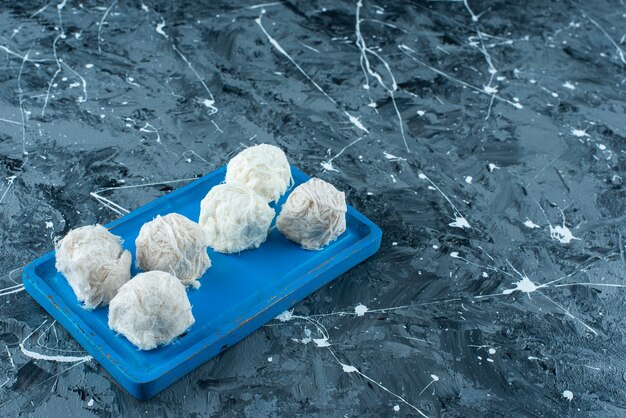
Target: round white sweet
[264,168]
[235,218]
[92,261]
[151,310]
[174,244]
[313,215]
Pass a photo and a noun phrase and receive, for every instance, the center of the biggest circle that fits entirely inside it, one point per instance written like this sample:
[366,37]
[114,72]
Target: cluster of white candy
[153,308]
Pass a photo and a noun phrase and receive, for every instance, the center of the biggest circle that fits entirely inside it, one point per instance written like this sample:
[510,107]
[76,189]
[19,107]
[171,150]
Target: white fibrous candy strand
[313,215]
[176,245]
[264,168]
[151,310]
[94,264]
[235,218]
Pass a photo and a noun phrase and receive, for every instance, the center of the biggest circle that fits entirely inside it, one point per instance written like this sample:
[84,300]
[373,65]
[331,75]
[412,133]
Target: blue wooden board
[239,293]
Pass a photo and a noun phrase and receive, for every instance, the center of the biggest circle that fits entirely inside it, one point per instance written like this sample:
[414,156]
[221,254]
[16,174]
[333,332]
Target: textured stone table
[487,139]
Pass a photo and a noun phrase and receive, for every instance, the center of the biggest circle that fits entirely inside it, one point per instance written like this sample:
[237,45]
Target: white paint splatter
[285,316]
[49,225]
[216,126]
[352,369]
[110,204]
[367,69]
[328,166]
[212,108]
[39,356]
[460,222]
[392,157]
[562,234]
[360,309]
[580,133]
[12,289]
[151,129]
[131,81]
[434,378]
[10,356]
[258,6]
[525,285]
[471,12]
[104,16]
[23,114]
[492,167]
[159,29]
[569,85]
[469,179]
[620,51]
[208,103]
[490,89]
[405,49]
[568,395]
[309,47]
[321,342]
[354,120]
[349,369]
[530,224]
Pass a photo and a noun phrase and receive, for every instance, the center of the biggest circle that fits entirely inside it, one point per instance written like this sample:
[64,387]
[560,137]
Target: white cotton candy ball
[313,215]
[92,261]
[174,244]
[235,218]
[151,310]
[264,168]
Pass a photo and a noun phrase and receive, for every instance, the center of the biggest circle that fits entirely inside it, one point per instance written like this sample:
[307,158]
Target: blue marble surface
[486,138]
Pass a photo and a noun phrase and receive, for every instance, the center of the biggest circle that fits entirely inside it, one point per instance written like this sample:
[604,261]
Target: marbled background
[486,138]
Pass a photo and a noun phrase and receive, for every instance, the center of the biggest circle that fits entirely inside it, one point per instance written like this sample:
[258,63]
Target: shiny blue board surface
[239,293]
